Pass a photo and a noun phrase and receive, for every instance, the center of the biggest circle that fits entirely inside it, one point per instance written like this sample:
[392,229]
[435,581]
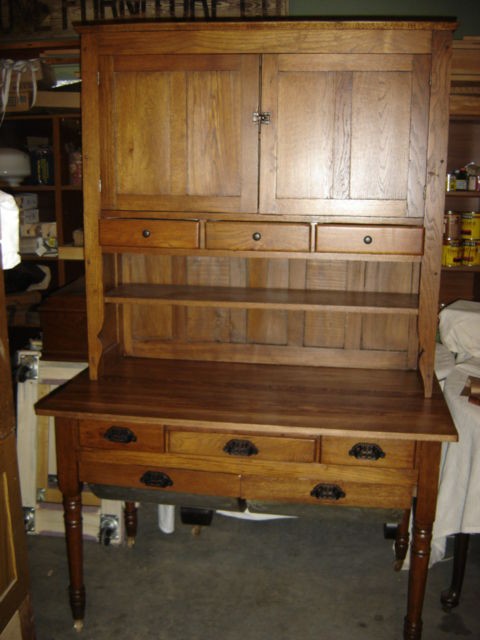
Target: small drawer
[124,436]
[161,479]
[344,238]
[392,454]
[262,236]
[226,446]
[166,234]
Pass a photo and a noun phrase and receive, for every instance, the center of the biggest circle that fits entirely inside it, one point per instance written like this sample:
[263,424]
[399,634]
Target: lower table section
[282,435]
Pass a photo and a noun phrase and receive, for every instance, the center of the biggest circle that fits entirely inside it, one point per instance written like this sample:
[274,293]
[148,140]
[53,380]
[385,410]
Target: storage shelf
[283,299]
[463,194]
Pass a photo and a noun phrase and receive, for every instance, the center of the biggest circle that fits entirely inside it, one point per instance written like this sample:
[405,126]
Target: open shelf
[286,299]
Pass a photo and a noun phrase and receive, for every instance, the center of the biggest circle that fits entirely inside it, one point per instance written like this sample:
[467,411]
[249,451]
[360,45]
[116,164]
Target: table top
[287,400]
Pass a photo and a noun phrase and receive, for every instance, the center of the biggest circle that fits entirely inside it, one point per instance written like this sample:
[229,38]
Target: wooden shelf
[283,299]
[463,194]
[475,268]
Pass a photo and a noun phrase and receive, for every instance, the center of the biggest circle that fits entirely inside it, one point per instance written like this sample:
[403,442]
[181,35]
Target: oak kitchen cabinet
[214,151]
[263,229]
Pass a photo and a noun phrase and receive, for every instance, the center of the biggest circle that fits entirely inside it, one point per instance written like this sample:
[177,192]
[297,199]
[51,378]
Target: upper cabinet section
[267,120]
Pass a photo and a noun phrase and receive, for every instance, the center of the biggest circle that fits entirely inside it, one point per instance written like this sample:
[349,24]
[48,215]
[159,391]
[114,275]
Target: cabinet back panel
[166,330]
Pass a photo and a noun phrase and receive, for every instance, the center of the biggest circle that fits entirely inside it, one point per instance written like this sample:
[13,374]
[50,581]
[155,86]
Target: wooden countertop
[285,400]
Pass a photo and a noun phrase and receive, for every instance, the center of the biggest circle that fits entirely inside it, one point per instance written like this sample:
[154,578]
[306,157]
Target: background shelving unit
[463,147]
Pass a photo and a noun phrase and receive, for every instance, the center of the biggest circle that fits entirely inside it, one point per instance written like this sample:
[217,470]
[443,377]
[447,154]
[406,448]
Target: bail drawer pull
[240,448]
[122,435]
[327,492]
[156,479]
[366,451]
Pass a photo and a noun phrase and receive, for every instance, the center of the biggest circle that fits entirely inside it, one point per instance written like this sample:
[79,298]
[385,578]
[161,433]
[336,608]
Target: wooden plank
[282,399]
[267,298]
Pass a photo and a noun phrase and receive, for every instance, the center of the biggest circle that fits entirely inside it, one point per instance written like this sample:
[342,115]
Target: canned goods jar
[477,253]
[452,226]
[471,225]
[469,250]
[452,253]
[451,184]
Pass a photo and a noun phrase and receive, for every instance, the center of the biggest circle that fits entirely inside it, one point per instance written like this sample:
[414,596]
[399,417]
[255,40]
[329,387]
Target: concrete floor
[329,578]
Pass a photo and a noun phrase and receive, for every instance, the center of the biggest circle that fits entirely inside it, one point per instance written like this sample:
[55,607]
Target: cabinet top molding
[301,24]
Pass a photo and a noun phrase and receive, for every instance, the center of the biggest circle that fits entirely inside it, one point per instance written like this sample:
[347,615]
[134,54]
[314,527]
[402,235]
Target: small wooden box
[63,320]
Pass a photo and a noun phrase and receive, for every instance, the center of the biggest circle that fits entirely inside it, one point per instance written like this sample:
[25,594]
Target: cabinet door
[177,132]
[348,134]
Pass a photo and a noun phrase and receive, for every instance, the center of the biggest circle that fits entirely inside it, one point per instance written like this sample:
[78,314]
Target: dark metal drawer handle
[257,236]
[366,451]
[327,492]
[146,233]
[368,239]
[123,435]
[156,479]
[240,448]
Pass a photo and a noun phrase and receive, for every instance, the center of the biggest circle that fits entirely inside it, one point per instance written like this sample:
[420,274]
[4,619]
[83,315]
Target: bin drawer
[369,239]
[262,236]
[167,234]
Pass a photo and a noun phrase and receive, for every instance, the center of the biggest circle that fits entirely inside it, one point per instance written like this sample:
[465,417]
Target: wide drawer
[315,489]
[344,238]
[169,234]
[264,236]
[227,445]
[161,479]
[394,454]
[100,434]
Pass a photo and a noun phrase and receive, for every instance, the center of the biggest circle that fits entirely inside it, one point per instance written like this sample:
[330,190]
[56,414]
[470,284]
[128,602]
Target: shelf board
[475,268]
[282,299]
[463,194]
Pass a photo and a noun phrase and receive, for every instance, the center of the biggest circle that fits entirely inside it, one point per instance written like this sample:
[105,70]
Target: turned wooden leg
[451,597]
[402,539]
[73,532]
[130,515]
[424,516]
[420,554]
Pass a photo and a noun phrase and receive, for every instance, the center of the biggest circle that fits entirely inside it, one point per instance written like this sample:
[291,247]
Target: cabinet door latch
[263,117]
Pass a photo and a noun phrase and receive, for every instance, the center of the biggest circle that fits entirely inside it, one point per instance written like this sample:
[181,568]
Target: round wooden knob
[146,233]
[368,239]
[257,236]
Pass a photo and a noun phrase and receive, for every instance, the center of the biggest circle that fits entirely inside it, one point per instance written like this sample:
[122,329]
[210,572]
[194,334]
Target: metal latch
[263,117]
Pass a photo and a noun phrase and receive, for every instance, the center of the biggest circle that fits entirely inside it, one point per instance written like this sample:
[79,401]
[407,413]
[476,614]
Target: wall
[467,12]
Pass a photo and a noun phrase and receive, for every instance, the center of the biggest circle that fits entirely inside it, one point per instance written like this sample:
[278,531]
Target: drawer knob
[368,239]
[156,479]
[146,233]
[240,448]
[257,236]
[366,451]
[122,435]
[327,492]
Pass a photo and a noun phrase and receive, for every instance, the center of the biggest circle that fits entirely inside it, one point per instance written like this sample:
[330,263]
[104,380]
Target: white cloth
[9,231]
[458,503]
[459,327]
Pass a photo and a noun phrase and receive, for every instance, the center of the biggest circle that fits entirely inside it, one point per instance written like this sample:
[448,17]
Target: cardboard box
[58,99]
[39,230]
[20,101]
[26,200]
[29,216]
